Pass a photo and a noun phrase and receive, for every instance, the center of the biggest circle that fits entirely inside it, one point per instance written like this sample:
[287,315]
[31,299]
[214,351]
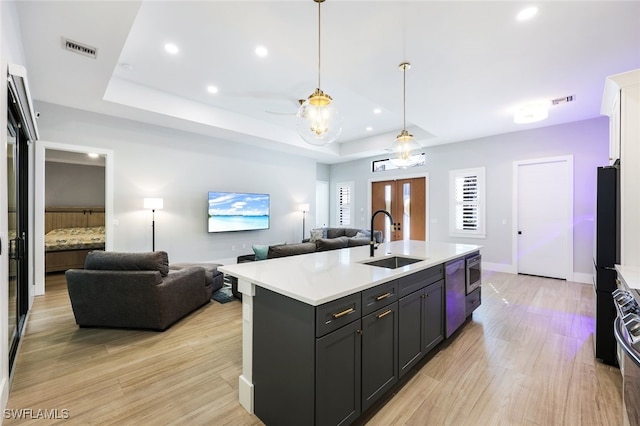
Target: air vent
[563,100]
[82,49]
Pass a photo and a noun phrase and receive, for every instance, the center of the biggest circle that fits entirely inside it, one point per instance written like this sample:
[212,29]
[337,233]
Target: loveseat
[137,290]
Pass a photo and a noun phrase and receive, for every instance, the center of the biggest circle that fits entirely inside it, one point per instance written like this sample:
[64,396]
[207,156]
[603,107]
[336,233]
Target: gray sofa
[322,240]
[137,290]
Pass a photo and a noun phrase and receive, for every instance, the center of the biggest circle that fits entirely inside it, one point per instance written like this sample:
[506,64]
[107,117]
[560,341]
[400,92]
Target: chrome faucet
[372,246]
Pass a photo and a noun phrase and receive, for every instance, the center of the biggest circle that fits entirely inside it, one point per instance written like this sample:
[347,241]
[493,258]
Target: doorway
[18,225]
[406,200]
[40,195]
[543,217]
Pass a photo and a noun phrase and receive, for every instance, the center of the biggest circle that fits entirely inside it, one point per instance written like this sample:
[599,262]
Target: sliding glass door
[17,175]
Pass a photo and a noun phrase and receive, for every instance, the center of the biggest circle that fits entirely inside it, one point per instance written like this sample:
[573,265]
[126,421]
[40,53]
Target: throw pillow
[324,244]
[260,251]
[363,234]
[316,234]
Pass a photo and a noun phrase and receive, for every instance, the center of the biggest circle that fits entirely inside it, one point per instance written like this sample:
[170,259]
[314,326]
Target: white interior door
[544,217]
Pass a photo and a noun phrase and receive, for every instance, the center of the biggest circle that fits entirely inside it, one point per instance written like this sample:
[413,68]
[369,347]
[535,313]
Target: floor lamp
[304,208]
[153,204]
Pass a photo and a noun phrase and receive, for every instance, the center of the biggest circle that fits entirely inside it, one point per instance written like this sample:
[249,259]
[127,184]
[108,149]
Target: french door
[405,199]
[17,184]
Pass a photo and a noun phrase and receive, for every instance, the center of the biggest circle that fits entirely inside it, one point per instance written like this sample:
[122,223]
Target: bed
[71,233]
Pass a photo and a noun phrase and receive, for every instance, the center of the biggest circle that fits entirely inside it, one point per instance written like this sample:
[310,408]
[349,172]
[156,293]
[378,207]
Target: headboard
[72,217]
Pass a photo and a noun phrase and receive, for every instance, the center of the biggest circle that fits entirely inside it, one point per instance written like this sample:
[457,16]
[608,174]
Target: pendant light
[404,149]
[318,121]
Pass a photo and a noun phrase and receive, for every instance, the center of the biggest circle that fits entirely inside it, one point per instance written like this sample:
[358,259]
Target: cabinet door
[410,346]
[379,353]
[614,131]
[433,315]
[338,375]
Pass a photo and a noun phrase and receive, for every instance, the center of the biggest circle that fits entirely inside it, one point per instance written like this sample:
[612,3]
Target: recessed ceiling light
[527,13]
[369,128]
[532,112]
[377,111]
[93,155]
[261,51]
[171,48]
[212,89]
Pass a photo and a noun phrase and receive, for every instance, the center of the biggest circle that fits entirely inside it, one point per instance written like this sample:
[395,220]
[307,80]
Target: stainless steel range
[627,335]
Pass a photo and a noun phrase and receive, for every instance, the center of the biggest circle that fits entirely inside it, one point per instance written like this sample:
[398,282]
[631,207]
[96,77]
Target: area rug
[223,295]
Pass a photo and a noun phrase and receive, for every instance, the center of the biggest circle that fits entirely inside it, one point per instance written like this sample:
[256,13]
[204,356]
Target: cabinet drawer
[335,314]
[418,280]
[379,296]
[474,299]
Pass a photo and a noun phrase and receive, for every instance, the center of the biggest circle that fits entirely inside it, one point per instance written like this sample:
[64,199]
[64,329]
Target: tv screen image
[237,211]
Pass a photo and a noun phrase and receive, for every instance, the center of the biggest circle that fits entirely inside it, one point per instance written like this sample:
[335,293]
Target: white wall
[180,167]
[587,141]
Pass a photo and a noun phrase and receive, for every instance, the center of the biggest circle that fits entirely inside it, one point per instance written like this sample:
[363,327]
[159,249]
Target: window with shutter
[345,194]
[467,203]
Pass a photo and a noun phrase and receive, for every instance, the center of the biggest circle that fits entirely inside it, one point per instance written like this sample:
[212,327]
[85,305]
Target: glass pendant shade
[318,121]
[404,150]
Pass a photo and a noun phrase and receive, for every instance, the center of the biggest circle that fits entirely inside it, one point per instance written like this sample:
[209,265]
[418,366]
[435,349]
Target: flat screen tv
[237,211]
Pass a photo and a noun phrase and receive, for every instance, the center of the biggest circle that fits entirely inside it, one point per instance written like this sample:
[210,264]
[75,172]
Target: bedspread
[74,239]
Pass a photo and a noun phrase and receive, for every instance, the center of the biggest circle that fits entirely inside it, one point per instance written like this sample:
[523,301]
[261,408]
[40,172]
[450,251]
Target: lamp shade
[153,203]
[303,207]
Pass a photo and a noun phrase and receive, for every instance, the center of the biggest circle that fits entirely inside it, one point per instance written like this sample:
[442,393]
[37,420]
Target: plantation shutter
[467,203]
[344,204]
[466,188]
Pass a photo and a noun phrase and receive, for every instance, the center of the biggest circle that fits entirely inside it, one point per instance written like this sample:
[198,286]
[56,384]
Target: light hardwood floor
[525,358]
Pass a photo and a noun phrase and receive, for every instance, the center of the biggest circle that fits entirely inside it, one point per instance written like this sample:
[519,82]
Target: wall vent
[82,49]
[563,100]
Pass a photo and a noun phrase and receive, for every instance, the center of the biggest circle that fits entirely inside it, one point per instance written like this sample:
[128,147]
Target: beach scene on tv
[231,211]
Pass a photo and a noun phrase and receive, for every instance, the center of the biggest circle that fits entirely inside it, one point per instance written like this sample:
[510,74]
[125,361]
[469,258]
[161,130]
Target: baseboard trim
[577,277]
[581,277]
[499,267]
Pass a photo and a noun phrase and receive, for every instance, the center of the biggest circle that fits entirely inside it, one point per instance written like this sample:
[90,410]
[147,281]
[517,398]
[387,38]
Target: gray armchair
[135,290]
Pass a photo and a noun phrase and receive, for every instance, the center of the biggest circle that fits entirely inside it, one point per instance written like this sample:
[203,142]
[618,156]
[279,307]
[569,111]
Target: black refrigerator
[606,255]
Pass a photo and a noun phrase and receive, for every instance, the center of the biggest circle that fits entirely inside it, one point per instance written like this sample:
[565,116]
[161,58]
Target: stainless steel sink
[393,262]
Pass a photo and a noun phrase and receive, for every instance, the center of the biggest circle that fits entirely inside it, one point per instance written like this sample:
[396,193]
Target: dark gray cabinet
[421,324]
[338,375]
[379,353]
[327,364]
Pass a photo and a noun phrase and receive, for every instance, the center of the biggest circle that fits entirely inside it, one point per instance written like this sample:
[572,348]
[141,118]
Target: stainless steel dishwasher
[455,290]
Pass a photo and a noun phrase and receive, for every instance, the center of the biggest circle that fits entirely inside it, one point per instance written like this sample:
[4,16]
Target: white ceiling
[472,65]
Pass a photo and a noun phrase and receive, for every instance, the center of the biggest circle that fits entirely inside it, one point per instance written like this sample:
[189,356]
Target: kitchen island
[321,337]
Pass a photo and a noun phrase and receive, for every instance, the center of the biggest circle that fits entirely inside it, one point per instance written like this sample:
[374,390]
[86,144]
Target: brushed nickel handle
[384,314]
[383,296]
[343,313]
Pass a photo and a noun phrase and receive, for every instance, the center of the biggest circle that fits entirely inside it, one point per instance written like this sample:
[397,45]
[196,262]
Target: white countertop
[321,277]
[630,275]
